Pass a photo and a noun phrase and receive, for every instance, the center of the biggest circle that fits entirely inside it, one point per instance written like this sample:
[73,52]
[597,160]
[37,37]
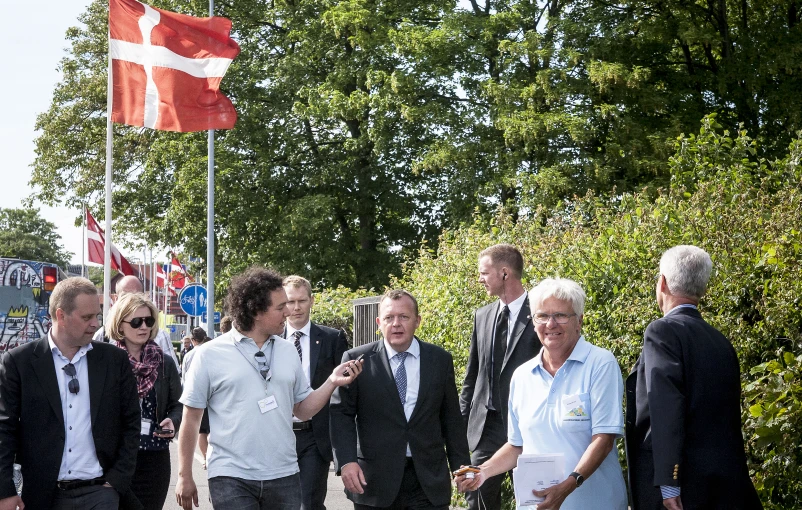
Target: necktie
[401,377]
[297,336]
[499,349]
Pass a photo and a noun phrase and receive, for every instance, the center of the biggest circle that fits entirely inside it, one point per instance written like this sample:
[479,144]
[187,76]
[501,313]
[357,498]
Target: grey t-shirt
[246,442]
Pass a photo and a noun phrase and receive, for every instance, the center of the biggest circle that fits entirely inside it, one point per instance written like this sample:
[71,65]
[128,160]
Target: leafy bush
[745,211]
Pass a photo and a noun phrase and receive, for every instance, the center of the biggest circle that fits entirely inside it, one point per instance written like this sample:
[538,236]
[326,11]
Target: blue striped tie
[401,377]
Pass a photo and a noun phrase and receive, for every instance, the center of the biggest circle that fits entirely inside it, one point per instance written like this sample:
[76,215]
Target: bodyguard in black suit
[397,430]
[75,451]
[685,448]
[321,349]
[486,388]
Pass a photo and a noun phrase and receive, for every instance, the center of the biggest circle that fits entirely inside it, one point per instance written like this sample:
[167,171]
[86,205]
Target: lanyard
[255,367]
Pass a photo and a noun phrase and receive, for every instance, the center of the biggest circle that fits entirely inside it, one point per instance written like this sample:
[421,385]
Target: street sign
[193,299]
[216,317]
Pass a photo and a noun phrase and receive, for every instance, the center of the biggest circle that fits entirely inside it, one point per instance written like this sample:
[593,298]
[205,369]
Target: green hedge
[745,211]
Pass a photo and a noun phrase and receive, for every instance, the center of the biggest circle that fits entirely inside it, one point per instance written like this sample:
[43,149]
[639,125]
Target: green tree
[25,235]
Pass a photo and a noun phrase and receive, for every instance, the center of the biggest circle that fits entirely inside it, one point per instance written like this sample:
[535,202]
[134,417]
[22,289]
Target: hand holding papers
[537,472]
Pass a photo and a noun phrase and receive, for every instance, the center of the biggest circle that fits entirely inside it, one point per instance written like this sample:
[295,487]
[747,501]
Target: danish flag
[96,244]
[167,68]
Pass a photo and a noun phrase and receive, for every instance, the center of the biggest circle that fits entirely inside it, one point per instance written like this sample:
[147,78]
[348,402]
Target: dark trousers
[314,471]
[410,495]
[229,493]
[151,478]
[494,435]
[94,497]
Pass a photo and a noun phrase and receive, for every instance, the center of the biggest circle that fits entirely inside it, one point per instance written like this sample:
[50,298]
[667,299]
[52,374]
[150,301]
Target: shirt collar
[305,330]
[679,307]
[55,350]
[580,353]
[240,338]
[414,349]
[514,306]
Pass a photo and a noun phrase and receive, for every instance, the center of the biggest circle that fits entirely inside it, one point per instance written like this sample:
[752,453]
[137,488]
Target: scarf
[146,370]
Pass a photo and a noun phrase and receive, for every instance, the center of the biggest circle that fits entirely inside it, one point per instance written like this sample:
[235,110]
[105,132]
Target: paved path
[335,500]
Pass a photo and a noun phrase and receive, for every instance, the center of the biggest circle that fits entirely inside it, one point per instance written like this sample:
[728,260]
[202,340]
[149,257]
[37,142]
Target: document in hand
[538,472]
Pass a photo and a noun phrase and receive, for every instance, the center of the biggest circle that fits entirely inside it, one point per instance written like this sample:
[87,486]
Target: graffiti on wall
[23,314]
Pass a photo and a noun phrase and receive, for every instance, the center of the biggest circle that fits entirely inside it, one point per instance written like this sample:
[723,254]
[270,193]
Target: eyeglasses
[73,385]
[136,322]
[559,318]
[264,368]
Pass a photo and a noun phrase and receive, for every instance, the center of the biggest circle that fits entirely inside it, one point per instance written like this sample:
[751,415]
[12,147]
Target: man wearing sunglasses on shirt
[69,412]
[252,382]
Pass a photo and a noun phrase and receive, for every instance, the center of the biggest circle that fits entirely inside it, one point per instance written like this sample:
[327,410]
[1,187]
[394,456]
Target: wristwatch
[579,478]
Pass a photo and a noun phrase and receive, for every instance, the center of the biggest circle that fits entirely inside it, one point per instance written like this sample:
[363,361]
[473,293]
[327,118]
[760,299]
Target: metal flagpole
[83,246]
[210,229]
[107,244]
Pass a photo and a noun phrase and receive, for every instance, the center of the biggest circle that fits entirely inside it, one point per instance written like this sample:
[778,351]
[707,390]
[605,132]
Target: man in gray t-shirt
[252,383]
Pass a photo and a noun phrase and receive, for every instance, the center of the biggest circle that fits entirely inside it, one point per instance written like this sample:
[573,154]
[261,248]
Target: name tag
[267,404]
[144,428]
[574,408]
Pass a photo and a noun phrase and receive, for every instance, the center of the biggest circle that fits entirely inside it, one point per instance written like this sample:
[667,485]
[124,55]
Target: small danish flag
[167,68]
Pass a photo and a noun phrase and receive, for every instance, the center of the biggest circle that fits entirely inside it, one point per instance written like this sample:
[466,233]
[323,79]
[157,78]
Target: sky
[33,36]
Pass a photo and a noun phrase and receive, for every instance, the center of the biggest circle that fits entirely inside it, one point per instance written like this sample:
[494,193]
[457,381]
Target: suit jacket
[368,426]
[523,346]
[32,423]
[326,348]
[683,420]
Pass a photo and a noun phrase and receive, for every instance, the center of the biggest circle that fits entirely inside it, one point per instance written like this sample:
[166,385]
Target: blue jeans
[229,493]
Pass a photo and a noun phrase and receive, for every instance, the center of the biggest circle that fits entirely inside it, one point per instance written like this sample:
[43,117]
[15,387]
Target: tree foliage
[744,209]
[26,235]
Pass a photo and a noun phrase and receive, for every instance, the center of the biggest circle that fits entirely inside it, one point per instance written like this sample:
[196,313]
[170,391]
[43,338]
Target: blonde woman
[132,324]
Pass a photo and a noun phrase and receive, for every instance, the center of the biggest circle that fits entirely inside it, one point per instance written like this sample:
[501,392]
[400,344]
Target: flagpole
[83,246]
[107,247]
[210,229]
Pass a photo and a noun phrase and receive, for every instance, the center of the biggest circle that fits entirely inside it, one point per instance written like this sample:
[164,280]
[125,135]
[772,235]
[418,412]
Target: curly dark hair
[249,294]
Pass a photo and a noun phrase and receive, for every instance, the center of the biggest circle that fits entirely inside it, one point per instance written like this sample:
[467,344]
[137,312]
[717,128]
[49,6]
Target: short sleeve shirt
[224,377]
[560,414]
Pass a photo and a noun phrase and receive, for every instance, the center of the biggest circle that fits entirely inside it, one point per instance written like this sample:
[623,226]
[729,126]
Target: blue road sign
[216,317]
[193,299]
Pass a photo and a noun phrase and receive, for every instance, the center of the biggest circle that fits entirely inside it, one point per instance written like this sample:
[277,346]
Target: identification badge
[574,408]
[144,428]
[267,404]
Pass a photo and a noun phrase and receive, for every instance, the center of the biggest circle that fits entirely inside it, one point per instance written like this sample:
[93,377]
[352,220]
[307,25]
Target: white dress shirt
[304,340]
[412,367]
[515,309]
[79,459]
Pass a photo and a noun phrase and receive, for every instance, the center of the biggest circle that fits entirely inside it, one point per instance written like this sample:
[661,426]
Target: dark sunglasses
[73,385]
[136,322]
[261,360]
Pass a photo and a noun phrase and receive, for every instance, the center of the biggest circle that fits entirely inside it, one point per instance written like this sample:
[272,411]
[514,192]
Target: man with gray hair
[685,447]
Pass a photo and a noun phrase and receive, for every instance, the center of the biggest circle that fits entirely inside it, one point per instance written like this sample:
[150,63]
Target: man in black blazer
[685,448]
[397,430]
[486,388]
[321,349]
[69,411]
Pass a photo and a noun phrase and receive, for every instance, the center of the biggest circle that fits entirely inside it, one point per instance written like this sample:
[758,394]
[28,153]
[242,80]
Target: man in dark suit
[397,429]
[320,349]
[684,443]
[69,412]
[503,339]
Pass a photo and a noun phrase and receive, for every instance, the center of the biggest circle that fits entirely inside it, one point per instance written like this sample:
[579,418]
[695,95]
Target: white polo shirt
[560,414]
[246,442]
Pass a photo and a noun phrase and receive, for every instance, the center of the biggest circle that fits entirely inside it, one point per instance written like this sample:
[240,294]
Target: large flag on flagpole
[96,240]
[167,68]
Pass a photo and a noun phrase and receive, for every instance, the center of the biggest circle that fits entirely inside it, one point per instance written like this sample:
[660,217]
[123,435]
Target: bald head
[129,284]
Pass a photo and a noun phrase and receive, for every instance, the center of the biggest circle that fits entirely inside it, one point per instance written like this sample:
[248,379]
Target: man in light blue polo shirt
[252,383]
[567,400]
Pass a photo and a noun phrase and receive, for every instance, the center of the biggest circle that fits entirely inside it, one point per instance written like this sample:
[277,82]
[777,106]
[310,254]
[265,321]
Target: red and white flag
[167,68]
[178,275]
[161,278]
[96,244]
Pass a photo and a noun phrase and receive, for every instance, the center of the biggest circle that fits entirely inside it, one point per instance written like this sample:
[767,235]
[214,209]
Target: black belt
[302,425]
[67,485]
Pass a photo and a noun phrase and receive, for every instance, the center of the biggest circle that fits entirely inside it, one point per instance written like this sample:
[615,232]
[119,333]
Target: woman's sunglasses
[136,322]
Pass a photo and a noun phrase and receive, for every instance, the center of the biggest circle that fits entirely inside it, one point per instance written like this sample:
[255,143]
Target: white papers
[536,472]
